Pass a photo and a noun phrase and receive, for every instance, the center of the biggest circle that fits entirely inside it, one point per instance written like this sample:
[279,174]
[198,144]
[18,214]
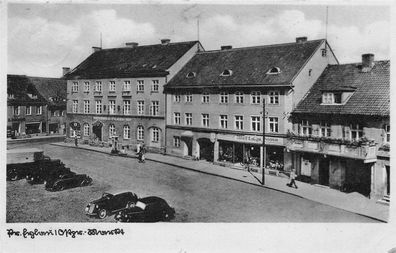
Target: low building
[115,96]
[341,130]
[215,102]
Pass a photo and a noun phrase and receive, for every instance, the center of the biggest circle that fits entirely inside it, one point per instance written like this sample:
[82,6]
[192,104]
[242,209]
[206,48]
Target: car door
[117,202]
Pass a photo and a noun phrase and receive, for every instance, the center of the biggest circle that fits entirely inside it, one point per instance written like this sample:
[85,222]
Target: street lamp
[264,148]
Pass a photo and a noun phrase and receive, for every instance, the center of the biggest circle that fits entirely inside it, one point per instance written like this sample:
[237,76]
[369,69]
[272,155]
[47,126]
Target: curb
[226,177]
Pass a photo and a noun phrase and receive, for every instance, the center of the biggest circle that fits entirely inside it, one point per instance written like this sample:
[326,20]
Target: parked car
[109,204]
[46,172]
[69,182]
[20,170]
[149,209]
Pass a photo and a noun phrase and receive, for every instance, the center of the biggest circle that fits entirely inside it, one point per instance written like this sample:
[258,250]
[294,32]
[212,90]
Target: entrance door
[206,149]
[324,171]
[187,146]
[97,130]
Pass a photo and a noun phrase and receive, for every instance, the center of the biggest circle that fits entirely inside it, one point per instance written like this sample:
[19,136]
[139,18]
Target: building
[27,104]
[341,130]
[116,95]
[215,102]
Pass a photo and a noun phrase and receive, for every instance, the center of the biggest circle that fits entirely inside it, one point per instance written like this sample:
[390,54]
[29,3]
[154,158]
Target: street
[196,197]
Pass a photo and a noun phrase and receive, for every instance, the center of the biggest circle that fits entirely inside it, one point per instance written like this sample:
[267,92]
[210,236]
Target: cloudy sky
[43,38]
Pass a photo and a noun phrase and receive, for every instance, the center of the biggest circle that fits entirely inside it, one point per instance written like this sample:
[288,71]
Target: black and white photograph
[196,126]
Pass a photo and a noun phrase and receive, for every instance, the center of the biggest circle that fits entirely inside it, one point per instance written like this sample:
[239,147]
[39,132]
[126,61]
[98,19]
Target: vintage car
[149,209]
[19,171]
[47,173]
[69,182]
[109,204]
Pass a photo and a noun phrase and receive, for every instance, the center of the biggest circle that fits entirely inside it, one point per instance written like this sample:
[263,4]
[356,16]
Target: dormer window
[273,71]
[191,75]
[32,96]
[226,72]
[335,97]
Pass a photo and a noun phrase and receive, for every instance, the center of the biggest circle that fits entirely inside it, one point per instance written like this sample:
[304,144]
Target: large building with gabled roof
[341,130]
[215,102]
[115,96]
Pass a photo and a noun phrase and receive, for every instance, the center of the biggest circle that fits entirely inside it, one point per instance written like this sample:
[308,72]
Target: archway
[97,129]
[206,149]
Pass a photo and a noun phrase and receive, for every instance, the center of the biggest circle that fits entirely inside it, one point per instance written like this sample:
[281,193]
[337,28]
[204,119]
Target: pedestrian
[75,141]
[292,179]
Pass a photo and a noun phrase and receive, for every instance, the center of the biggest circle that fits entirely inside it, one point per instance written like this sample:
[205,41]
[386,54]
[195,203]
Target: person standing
[75,141]
[292,179]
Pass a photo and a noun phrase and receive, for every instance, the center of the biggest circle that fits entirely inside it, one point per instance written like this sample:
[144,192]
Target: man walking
[292,179]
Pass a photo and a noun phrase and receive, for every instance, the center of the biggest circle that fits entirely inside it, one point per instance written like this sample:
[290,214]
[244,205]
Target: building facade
[215,102]
[28,106]
[341,130]
[116,95]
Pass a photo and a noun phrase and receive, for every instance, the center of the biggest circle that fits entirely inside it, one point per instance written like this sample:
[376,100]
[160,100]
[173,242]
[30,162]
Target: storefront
[33,127]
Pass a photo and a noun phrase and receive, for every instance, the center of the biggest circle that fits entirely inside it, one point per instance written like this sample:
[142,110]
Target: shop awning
[187,134]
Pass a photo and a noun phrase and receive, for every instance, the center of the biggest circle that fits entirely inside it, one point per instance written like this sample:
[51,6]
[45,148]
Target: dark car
[109,204]
[69,182]
[20,170]
[47,171]
[149,209]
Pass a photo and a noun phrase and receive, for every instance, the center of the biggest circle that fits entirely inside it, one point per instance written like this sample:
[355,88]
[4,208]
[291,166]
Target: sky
[44,37]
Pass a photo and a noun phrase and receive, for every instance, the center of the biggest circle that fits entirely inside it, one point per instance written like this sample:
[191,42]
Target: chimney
[301,39]
[132,44]
[96,49]
[226,47]
[65,70]
[165,41]
[367,62]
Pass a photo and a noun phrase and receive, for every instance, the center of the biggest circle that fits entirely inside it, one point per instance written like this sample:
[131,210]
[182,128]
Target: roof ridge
[150,45]
[260,46]
[354,63]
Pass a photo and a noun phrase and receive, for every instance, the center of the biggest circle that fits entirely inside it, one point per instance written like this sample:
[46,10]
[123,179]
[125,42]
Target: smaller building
[30,101]
[341,129]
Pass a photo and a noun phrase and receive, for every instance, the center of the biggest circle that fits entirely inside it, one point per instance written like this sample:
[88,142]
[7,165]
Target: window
[177,98]
[155,135]
[223,121]
[306,128]
[325,129]
[154,86]
[191,75]
[273,71]
[98,86]
[86,129]
[255,97]
[273,124]
[39,110]
[126,86]
[329,98]
[226,72]
[239,97]
[140,86]
[127,132]
[188,98]
[140,133]
[255,123]
[205,98]
[188,119]
[273,97]
[112,86]
[140,107]
[86,87]
[17,110]
[356,131]
[126,108]
[75,87]
[28,110]
[73,133]
[176,118]
[239,122]
[98,105]
[387,133]
[154,108]
[86,106]
[75,106]
[223,98]
[112,131]
[176,141]
[324,52]
[112,107]
[205,120]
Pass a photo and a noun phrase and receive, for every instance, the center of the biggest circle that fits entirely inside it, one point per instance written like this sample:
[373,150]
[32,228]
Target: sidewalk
[352,202]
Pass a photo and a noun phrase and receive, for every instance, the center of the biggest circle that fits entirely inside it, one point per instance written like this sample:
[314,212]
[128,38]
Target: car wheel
[102,213]
[14,177]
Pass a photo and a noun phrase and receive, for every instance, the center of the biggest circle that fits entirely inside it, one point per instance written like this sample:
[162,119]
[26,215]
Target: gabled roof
[52,89]
[140,61]
[371,94]
[248,65]
[20,86]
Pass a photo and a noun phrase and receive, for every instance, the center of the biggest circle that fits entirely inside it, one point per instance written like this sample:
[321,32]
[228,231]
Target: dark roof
[371,94]
[20,86]
[150,60]
[52,89]
[248,65]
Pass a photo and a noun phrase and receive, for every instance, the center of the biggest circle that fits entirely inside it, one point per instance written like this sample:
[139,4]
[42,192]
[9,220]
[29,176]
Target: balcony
[363,150]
